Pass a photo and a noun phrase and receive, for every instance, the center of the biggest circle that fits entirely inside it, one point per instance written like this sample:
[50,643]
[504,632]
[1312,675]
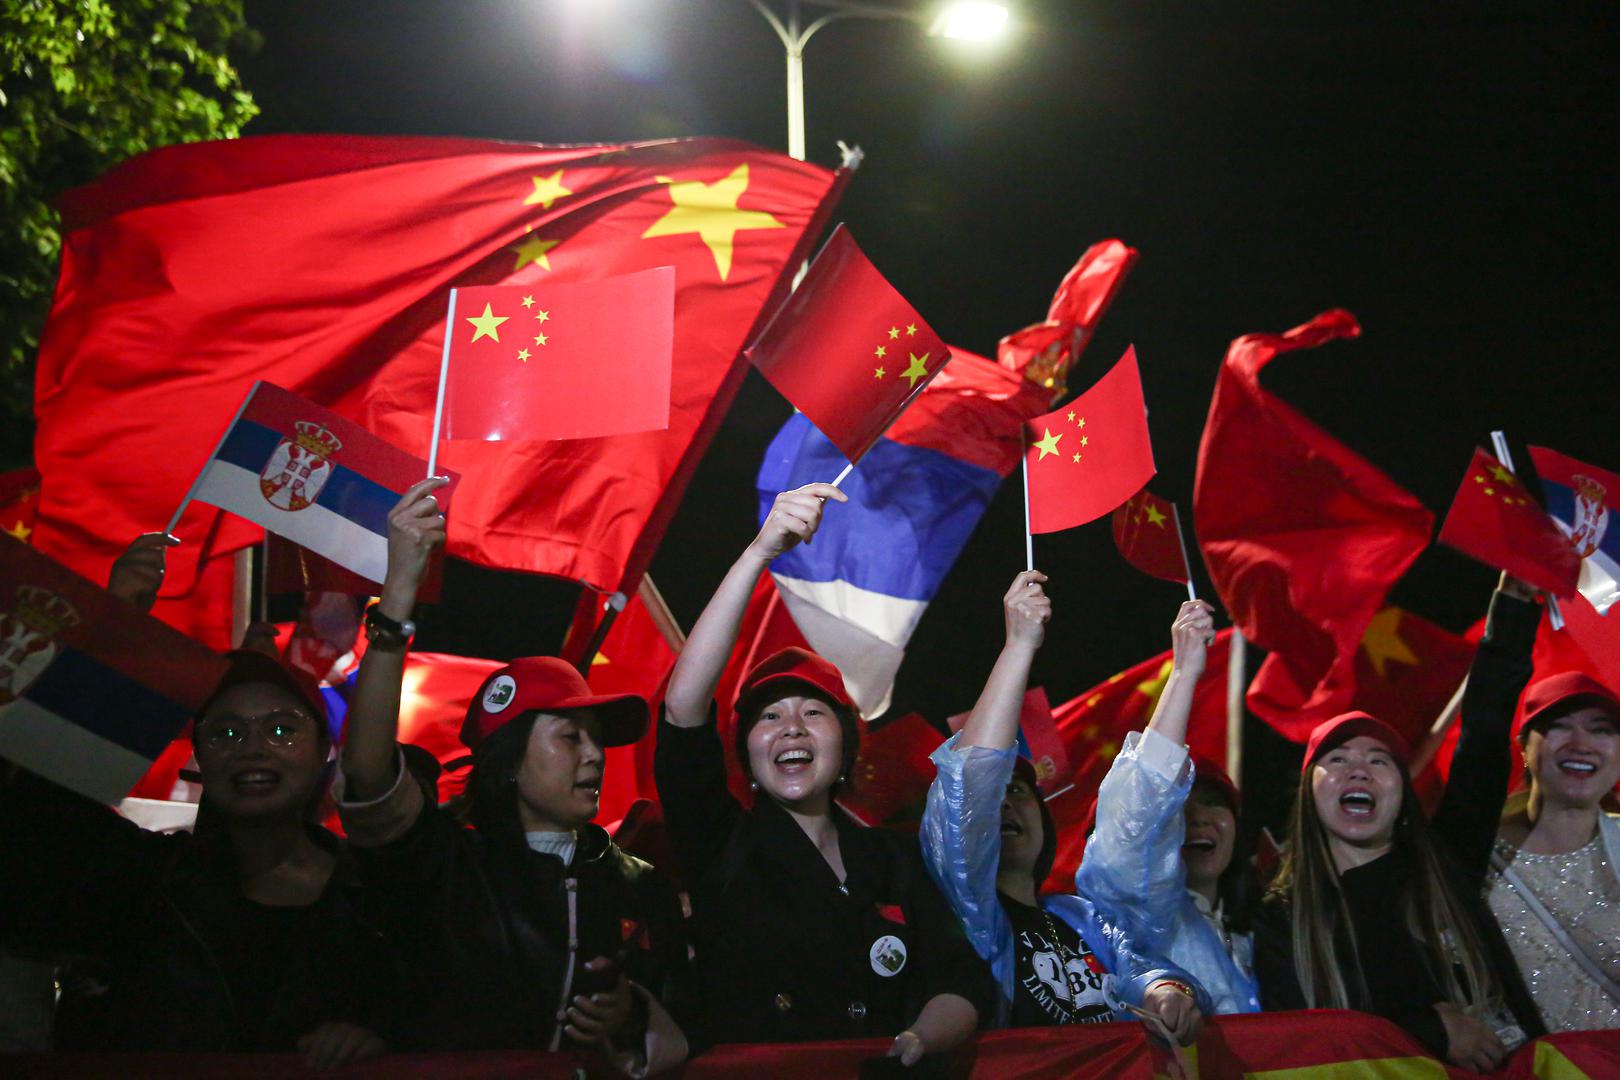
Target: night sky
[1445,172]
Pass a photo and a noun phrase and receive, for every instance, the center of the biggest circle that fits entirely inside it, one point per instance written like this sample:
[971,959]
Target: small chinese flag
[892,772]
[847,350]
[1493,519]
[568,361]
[1091,455]
[1147,531]
[19,503]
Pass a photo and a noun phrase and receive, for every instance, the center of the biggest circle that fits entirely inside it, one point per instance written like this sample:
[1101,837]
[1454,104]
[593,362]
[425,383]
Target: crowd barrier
[1271,1046]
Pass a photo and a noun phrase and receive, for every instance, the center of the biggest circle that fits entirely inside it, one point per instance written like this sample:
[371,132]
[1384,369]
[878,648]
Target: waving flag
[1045,351]
[309,475]
[1147,532]
[561,361]
[92,691]
[1106,459]
[847,350]
[19,503]
[1493,519]
[1579,498]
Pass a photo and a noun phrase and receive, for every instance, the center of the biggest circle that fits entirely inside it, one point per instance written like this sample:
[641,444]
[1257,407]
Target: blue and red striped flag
[1579,497]
[91,689]
[306,473]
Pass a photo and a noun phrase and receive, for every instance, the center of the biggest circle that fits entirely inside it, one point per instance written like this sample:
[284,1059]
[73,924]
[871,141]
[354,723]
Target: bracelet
[1176,984]
[386,633]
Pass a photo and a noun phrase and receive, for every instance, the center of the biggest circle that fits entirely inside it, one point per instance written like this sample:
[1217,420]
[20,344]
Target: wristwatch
[385,633]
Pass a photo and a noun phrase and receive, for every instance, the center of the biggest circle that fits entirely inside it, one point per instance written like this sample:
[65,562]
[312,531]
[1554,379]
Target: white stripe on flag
[887,618]
[231,487]
[867,664]
[60,750]
[1600,576]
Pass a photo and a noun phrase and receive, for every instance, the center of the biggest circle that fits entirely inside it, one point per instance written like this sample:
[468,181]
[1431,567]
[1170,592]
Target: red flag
[342,300]
[432,704]
[1106,459]
[1407,669]
[19,503]
[1579,498]
[1493,519]
[1302,536]
[1038,740]
[892,773]
[847,350]
[635,658]
[1047,350]
[561,361]
[1147,532]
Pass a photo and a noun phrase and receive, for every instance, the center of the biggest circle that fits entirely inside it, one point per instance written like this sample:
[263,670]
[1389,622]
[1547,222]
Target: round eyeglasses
[280,729]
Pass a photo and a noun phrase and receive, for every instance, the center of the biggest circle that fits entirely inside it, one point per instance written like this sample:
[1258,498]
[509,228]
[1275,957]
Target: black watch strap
[384,632]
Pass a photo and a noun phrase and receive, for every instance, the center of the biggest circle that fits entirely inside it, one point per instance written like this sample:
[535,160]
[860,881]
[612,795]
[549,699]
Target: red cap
[1346,726]
[1558,695]
[1205,771]
[795,665]
[548,684]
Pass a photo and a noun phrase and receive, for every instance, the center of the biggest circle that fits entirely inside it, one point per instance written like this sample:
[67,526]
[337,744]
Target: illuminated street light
[962,19]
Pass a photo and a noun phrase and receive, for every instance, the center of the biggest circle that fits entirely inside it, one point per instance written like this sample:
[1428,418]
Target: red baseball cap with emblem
[1333,733]
[548,684]
[1561,694]
[793,665]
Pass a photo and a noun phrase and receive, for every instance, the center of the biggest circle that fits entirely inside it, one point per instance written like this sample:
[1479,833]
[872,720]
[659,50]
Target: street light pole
[794,37]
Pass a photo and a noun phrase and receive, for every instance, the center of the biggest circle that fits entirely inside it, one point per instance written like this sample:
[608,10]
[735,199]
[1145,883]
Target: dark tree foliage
[85,84]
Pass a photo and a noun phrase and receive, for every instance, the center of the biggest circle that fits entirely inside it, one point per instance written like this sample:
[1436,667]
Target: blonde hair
[1327,958]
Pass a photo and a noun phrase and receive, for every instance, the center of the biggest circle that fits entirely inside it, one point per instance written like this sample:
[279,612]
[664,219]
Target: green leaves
[83,86]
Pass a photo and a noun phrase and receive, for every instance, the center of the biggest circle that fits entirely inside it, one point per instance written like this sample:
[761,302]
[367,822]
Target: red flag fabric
[635,658]
[1047,350]
[1302,536]
[1038,739]
[561,361]
[1493,519]
[1407,669]
[432,704]
[847,349]
[175,295]
[19,503]
[1579,497]
[892,772]
[1108,456]
[1147,532]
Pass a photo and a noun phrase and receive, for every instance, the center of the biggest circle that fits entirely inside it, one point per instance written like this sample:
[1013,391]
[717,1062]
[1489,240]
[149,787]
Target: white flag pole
[191,493]
[1029,537]
[1186,565]
[444,372]
[1236,684]
[1555,615]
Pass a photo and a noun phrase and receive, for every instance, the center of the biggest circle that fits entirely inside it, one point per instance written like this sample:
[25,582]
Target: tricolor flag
[573,360]
[91,690]
[306,473]
[1579,497]
[847,349]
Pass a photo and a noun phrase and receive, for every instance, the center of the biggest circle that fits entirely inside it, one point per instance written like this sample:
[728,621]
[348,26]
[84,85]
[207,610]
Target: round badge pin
[887,955]
[499,693]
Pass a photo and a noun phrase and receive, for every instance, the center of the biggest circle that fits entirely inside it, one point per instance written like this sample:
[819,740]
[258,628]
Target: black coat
[487,925]
[161,950]
[783,954]
[1399,986]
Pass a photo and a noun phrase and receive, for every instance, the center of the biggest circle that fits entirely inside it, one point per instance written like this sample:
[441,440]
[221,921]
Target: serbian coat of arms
[27,634]
[1591,515]
[298,467]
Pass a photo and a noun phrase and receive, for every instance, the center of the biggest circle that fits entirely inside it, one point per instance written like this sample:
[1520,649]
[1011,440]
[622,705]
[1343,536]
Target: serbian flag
[1578,499]
[1090,456]
[560,361]
[1147,532]
[92,691]
[1495,520]
[847,350]
[309,475]
[1303,537]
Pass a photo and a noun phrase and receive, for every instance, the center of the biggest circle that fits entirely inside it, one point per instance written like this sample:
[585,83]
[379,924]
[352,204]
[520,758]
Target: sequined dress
[1581,891]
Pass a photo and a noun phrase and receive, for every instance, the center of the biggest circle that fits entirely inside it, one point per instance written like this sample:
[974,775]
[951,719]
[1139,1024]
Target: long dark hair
[490,801]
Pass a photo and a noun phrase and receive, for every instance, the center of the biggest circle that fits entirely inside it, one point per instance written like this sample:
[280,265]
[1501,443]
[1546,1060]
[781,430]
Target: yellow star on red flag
[1048,445]
[547,190]
[487,325]
[711,211]
[915,370]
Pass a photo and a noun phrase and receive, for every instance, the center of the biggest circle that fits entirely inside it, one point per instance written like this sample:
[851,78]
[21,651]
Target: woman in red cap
[1374,907]
[1555,881]
[538,931]
[807,926]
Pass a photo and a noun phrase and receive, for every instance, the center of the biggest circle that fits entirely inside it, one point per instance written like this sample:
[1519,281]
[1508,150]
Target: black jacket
[1399,985]
[487,924]
[783,954]
[161,951]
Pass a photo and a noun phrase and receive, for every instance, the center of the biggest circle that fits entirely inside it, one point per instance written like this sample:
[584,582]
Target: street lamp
[962,19]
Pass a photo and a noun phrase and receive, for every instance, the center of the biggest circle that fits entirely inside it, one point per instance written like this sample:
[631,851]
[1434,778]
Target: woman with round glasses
[242,936]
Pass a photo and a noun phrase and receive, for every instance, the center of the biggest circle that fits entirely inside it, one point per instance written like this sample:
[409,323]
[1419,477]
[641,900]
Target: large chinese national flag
[848,350]
[1302,536]
[561,361]
[322,263]
[1091,455]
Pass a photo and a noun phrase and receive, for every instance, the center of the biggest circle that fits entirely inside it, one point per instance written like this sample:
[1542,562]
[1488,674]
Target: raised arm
[1190,636]
[794,517]
[137,574]
[415,529]
[994,721]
